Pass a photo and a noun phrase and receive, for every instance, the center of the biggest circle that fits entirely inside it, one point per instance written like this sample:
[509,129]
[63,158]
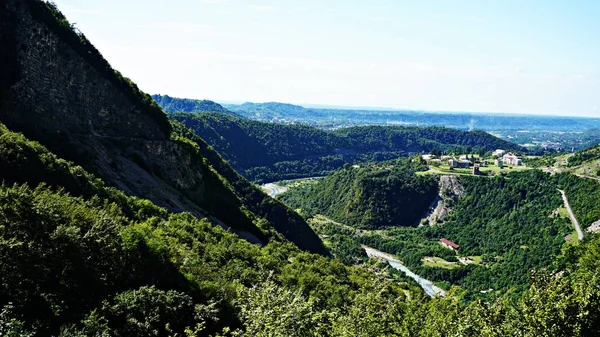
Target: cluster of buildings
[506,158]
[502,158]
[462,162]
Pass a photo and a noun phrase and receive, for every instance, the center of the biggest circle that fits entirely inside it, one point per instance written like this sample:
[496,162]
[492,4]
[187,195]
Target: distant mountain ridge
[264,151]
[328,116]
[173,104]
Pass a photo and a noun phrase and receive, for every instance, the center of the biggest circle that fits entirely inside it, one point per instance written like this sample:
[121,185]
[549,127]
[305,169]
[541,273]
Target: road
[428,286]
[588,177]
[572,216]
[273,190]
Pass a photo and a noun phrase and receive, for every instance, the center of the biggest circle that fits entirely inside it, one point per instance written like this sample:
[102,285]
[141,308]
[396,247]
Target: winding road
[572,216]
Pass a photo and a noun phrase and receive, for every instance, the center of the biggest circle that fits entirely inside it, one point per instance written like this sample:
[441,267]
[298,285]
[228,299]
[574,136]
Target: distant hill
[368,197]
[173,104]
[586,155]
[273,110]
[268,151]
[331,117]
[584,162]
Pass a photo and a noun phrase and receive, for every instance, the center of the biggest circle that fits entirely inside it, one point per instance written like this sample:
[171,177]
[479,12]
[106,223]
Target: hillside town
[476,163]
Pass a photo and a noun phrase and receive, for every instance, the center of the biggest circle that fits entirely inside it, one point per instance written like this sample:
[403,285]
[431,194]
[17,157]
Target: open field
[432,261]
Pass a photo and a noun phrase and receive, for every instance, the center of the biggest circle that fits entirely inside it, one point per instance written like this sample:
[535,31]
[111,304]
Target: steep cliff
[57,89]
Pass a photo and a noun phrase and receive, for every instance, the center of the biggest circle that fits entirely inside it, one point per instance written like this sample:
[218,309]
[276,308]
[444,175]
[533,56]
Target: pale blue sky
[520,56]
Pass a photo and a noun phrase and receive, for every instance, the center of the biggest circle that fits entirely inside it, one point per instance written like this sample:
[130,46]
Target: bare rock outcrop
[450,191]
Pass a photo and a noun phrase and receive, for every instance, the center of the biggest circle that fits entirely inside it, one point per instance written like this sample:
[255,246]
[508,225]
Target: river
[428,286]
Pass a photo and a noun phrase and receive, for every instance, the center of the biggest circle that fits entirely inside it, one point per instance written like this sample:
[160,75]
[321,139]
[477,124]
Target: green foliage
[274,214]
[584,197]
[368,197]
[11,326]
[270,310]
[171,104]
[268,151]
[505,220]
[591,153]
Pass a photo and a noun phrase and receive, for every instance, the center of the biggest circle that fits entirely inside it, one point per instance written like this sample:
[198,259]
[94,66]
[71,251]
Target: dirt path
[588,177]
[572,216]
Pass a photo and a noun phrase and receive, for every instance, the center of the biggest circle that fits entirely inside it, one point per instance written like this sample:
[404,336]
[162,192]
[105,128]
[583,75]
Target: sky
[512,56]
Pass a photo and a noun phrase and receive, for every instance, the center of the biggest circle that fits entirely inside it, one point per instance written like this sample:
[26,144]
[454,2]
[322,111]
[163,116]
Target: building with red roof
[449,244]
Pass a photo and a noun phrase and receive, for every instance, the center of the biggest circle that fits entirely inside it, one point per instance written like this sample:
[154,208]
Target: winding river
[428,286]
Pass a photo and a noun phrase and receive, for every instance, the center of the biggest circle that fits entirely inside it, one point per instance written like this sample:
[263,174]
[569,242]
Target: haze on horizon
[539,57]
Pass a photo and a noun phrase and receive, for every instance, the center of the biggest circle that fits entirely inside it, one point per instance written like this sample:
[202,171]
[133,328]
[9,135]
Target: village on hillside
[496,162]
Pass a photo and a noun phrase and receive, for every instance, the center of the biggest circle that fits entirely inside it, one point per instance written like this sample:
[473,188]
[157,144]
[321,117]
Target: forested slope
[85,259]
[83,252]
[368,197]
[173,104]
[61,92]
[267,151]
[508,223]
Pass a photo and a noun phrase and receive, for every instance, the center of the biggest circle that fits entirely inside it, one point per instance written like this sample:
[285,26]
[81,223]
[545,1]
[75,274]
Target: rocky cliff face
[63,91]
[57,89]
[451,190]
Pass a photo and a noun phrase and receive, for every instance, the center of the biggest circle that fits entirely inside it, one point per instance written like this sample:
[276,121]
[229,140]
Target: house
[476,171]
[512,159]
[464,163]
[445,157]
[464,157]
[499,163]
[459,163]
[449,244]
[498,153]
[427,157]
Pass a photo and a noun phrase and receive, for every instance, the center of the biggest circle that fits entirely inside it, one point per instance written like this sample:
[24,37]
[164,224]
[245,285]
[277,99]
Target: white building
[512,159]
[499,153]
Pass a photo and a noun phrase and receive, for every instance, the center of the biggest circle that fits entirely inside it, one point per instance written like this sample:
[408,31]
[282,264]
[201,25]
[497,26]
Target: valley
[502,230]
[125,214]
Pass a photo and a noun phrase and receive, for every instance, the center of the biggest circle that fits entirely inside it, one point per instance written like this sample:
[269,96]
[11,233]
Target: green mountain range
[266,151]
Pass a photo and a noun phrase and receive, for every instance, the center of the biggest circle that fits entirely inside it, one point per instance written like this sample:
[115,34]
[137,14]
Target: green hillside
[507,222]
[115,221]
[121,135]
[368,197]
[266,151]
[173,104]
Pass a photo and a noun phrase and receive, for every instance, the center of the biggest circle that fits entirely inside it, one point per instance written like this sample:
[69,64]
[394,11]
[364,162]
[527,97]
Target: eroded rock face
[80,109]
[57,89]
[451,186]
[594,227]
[450,191]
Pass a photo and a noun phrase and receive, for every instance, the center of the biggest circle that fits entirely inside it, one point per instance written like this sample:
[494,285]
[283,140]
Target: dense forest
[368,197]
[90,247]
[506,223]
[579,157]
[267,151]
[83,259]
[173,104]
